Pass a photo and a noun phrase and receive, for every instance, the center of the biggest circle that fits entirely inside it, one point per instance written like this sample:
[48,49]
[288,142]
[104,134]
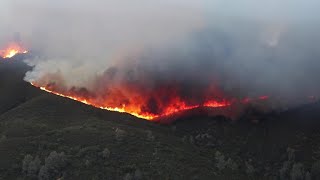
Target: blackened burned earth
[44,136]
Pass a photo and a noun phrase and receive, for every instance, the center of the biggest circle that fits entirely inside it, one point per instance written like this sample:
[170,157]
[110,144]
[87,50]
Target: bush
[120,134]
[128,176]
[54,164]
[3,138]
[291,154]
[30,166]
[25,163]
[106,153]
[137,175]
[232,165]
[88,150]
[284,171]
[34,167]
[191,140]
[297,172]
[221,163]
[150,136]
[308,176]
[249,168]
[315,170]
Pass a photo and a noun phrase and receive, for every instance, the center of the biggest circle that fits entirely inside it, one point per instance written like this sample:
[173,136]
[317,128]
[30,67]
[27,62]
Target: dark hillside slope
[82,142]
[48,123]
[13,90]
[37,123]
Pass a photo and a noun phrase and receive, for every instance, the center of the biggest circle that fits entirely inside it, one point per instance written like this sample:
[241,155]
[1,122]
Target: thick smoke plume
[159,49]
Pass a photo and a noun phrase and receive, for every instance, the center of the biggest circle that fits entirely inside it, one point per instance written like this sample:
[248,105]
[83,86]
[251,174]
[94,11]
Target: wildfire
[176,105]
[172,105]
[11,50]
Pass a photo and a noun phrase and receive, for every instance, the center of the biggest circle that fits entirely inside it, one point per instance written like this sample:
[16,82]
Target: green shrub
[54,164]
[315,170]
[30,166]
[297,172]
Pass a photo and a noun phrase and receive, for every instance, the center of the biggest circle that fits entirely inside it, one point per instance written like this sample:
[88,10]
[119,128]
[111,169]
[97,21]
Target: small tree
[34,167]
[222,163]
[30,166]
[128,176]
[25,163]
[120,134]
[297,172]
[106,153]
[54,164]
[220,160]
[249,168]
[3,138]
[137,175]
[150,136]
[315,170]
[291,154]
[308,176]
[284,171]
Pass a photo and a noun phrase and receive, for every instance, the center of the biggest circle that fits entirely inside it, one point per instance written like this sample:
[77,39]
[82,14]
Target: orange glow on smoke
[175,104]
[11,50]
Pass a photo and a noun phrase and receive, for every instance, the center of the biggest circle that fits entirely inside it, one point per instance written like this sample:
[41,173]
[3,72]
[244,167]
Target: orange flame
[11,50]
[176,105]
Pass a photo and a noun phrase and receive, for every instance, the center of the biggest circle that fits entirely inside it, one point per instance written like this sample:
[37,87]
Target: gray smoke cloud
[80,39]
[248,47]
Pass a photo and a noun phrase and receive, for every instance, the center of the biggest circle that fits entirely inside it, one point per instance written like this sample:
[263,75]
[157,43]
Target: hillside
[82,142]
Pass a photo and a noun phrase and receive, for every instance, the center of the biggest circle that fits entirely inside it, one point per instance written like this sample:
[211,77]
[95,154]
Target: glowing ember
[11,50]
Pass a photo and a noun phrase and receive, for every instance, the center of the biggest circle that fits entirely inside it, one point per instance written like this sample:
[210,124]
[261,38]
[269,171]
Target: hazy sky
[25,16]
[291,10]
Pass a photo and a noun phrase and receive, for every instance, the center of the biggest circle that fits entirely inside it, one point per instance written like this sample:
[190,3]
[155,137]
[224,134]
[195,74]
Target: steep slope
[13,90]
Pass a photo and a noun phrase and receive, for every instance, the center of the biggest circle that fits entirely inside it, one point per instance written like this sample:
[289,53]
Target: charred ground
[99,144]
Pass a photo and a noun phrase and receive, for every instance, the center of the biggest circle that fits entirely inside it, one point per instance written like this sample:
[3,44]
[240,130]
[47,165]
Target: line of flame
[213,104]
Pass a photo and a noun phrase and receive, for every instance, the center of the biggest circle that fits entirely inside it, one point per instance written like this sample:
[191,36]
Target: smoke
[243,48]
[80,39]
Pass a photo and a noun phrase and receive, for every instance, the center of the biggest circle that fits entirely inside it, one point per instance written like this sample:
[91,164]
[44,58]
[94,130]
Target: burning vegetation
[11,50]
[147,98]
[146,102]
[143,106]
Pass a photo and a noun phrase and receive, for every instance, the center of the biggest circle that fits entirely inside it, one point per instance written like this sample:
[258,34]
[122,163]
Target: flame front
[175,105]
[11,50]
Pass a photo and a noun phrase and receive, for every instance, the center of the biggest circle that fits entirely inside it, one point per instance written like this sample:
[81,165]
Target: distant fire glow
[138,105]
[11,50]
